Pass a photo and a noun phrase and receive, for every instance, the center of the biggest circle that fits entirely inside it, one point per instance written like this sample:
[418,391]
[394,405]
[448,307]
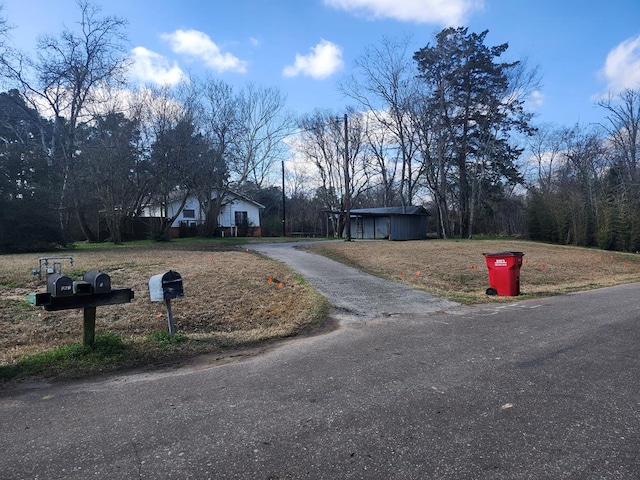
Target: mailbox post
[165,287]
[170,324]
[88,325]
[92,291]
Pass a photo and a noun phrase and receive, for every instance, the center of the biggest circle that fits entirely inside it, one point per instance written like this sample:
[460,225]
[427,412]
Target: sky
[583,49]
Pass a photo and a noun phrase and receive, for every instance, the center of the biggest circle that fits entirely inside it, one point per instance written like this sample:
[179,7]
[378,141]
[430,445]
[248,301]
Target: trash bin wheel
[492,291]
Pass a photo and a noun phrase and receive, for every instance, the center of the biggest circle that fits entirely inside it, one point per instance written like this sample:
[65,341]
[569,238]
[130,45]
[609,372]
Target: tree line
[81,149]
[445,126]
[585,184]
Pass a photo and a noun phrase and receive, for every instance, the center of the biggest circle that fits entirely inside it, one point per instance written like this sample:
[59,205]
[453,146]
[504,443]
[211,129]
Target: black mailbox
[59,285]
[81,288]
[165,286]
[100,282]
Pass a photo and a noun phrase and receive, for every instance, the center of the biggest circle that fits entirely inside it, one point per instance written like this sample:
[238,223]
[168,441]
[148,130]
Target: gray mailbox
[59,285]
[165,286]
[100,282]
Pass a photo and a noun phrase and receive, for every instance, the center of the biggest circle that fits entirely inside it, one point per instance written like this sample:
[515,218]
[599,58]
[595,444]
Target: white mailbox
[165,286]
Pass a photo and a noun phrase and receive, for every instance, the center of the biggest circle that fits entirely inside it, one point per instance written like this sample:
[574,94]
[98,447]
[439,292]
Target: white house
[239,215]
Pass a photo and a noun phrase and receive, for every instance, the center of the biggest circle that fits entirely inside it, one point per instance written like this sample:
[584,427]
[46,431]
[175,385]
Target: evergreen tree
[472,102]
[28,187]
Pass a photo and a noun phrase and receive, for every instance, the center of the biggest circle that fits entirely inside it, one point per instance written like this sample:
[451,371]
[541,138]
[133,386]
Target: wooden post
[347,181]
[284,215]
[172,328]
[89,326]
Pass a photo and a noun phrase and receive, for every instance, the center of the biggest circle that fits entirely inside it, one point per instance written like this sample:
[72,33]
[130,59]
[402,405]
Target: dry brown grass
[235,298]
[457,269]
[229,300]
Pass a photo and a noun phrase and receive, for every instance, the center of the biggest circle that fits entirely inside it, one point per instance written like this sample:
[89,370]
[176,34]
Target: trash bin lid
[504,254]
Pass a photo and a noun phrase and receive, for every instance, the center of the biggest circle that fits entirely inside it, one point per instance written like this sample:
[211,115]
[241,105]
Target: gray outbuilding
[392,223]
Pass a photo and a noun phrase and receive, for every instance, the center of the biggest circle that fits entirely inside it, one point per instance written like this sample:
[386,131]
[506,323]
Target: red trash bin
[504,273]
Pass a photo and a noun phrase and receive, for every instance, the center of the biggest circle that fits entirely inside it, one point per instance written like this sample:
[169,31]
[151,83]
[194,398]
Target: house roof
[390,211]
[178,195]
[240,196]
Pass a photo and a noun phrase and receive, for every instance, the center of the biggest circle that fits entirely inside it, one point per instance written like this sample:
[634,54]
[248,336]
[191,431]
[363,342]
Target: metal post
[89,314]
[172,328]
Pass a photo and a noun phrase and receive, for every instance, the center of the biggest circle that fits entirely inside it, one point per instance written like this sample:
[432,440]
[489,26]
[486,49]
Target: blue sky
[583,48]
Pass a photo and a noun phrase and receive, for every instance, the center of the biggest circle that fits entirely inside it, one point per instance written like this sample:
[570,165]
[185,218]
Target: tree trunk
[84,225]
[211,217]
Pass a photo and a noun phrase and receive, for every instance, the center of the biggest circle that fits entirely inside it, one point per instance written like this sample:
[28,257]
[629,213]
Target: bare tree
[546,147]
[565,198]
[220,123]
[176,152]
[263,125]
[380,146]
[623,127]
[584,168]
[319,142]
[298,180]
[4,31]
[361,164]
[384,84]
[322,143]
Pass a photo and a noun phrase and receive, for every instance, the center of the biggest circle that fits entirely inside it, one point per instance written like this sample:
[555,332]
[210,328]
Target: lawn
[235,298]
[457,269]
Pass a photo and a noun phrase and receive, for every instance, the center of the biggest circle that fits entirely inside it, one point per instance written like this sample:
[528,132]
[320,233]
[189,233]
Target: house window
[189,213]
[242,219]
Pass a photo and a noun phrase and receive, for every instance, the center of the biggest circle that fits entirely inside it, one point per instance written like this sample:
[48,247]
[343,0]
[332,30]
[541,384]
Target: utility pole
[284,228]
[347,182]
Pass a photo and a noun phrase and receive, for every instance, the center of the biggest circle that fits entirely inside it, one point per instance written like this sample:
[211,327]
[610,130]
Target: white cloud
[622,67]
[199,45]
[441,12]
[323,61]
[535,100]
[152,67]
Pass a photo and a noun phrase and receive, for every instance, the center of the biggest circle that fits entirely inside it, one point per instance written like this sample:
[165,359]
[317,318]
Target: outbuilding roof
[390,211]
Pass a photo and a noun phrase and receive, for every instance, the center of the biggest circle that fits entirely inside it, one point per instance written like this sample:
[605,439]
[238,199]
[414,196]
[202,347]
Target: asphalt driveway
[408,387]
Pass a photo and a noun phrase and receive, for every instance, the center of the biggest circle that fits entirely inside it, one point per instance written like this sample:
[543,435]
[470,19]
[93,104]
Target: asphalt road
[409,387]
